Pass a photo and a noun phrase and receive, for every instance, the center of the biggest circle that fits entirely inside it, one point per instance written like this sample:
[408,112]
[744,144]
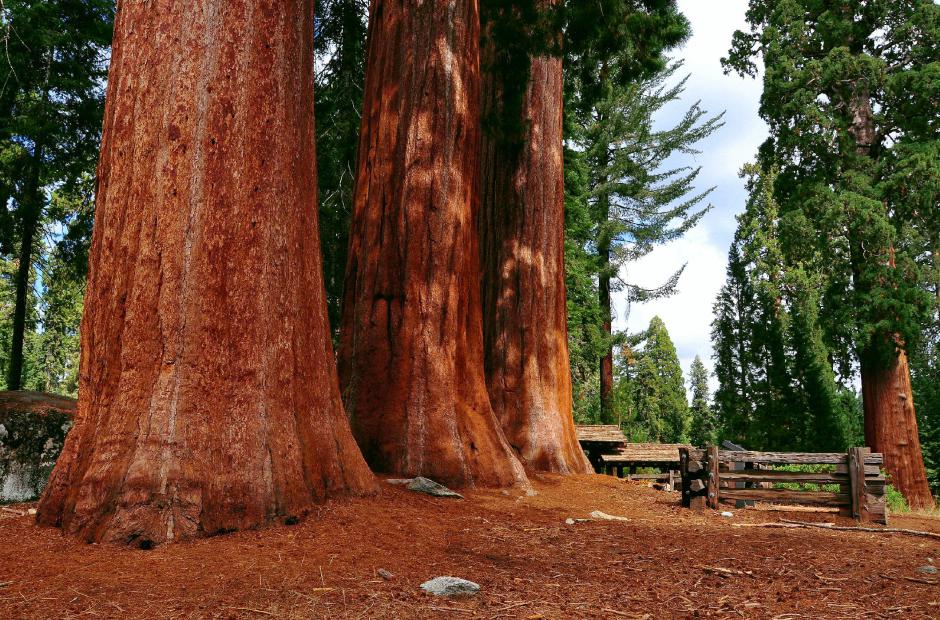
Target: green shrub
[896,501]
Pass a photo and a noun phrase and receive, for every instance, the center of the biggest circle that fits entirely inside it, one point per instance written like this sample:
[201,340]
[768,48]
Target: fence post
[684,476]
[856,467]
[713,477]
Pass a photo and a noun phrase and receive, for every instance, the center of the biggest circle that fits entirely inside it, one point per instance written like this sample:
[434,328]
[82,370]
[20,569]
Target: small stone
[399,481]
[727,514]
[31,512]
[384,574]
[927,569]
[697,485]
[569,521]
[531,493]
[424,485]
[450,586]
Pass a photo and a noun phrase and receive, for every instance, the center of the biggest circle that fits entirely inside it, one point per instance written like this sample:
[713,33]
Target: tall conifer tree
[849,94]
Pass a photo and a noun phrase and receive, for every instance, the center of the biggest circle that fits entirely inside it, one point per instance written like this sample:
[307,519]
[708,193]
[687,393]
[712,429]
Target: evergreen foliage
[51,103]
[777,389]
[627,200]
[653,389]
[850,97]
[704,429]
[340,44]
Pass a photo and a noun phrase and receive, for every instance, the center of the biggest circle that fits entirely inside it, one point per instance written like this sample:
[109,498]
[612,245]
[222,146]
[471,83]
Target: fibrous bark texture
[411,352]
[208,396]
[522,227]
[891,428]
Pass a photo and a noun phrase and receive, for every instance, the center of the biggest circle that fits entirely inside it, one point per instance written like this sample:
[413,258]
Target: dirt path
[664,563]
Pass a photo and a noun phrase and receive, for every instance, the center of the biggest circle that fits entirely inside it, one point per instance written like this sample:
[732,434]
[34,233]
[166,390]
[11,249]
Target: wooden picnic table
[599,439]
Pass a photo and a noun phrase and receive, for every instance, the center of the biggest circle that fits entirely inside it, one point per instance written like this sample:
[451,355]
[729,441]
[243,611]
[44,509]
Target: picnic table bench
[609,452]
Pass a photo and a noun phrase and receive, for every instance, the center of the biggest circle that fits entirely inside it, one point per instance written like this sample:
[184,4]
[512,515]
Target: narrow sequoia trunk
[890,420]
[522,234]
[24,265]
[208,398]
[607,361]
[31,206]
[411,353]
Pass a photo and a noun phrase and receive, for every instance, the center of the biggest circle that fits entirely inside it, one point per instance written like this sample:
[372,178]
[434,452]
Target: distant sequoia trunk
[522,228]
[208,396]
[411,352]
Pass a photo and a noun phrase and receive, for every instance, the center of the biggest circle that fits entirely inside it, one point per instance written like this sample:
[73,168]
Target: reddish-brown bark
[411,352]
[208,395]
[891,427]
[522,234]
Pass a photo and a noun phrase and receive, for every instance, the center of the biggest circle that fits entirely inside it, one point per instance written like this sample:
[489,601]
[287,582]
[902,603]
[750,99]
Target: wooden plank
[793,458]
[787,496]
[642,461]
[684,474]
[856,458]
[713,477]
[870,470]
[600,433]
[772,475]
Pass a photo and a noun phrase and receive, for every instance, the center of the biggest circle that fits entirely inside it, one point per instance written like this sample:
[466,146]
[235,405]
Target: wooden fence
[711,475]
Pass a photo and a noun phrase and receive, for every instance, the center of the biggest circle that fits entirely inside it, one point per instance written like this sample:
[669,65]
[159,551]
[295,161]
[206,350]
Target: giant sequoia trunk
[208,395]
[890,420]
[522,234]
[411,352]
[891,427]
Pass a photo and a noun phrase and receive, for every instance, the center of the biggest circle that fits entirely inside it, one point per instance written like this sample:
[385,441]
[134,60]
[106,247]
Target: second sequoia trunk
[411,351]
[522,228]
[208,396]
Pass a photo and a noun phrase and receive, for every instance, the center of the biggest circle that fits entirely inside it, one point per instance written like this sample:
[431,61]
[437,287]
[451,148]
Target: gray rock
[927,569]
[450,586]
[384,574]
[424,485]
[697,485]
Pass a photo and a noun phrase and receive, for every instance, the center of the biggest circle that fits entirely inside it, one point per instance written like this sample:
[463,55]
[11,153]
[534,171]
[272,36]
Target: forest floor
[665,562]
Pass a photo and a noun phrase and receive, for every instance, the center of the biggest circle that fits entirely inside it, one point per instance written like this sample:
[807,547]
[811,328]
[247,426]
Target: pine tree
[657,397]
[848,97]
[735,402]
[340,44]
[777,389]
[636,201]
[55,58]
[704,429]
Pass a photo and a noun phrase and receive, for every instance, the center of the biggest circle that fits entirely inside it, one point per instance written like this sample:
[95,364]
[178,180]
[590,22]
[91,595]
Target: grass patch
[896,502]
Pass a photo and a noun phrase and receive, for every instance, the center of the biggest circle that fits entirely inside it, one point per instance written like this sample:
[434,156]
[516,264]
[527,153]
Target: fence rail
[712,475]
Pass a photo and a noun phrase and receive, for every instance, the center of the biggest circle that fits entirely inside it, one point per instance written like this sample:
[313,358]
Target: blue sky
[688,314]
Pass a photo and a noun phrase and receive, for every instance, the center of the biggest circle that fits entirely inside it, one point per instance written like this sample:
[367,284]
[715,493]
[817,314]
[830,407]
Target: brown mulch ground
[660,564]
